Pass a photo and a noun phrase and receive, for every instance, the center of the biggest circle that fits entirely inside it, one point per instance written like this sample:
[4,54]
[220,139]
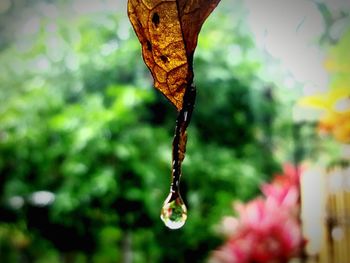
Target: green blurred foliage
[79,118]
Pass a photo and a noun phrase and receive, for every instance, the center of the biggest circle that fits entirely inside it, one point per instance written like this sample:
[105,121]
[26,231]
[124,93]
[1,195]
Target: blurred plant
[335,103]
[336,117]
[267,228]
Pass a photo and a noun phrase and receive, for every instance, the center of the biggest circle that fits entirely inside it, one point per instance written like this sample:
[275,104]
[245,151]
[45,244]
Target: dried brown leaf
[168,32]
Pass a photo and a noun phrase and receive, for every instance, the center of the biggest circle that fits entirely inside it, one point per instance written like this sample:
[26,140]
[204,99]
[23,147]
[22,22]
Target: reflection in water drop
[174,211]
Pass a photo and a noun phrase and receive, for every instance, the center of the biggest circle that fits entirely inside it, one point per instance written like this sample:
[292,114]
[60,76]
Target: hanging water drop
[174,211]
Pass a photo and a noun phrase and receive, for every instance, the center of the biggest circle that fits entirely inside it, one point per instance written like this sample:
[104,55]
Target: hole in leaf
[149,45]
[155,19]
[165,59]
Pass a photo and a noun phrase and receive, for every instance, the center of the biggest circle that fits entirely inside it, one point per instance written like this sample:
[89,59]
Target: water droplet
[174,211]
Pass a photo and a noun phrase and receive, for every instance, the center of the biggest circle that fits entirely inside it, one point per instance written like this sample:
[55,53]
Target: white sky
[288,30]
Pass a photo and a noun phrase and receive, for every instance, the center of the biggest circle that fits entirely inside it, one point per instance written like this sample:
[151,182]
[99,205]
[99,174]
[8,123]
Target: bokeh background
[85,140]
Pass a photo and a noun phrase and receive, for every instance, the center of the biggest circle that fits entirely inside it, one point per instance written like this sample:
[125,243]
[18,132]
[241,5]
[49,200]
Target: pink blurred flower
[267,229]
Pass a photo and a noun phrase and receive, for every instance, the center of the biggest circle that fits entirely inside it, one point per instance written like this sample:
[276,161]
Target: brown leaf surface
[168,32]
